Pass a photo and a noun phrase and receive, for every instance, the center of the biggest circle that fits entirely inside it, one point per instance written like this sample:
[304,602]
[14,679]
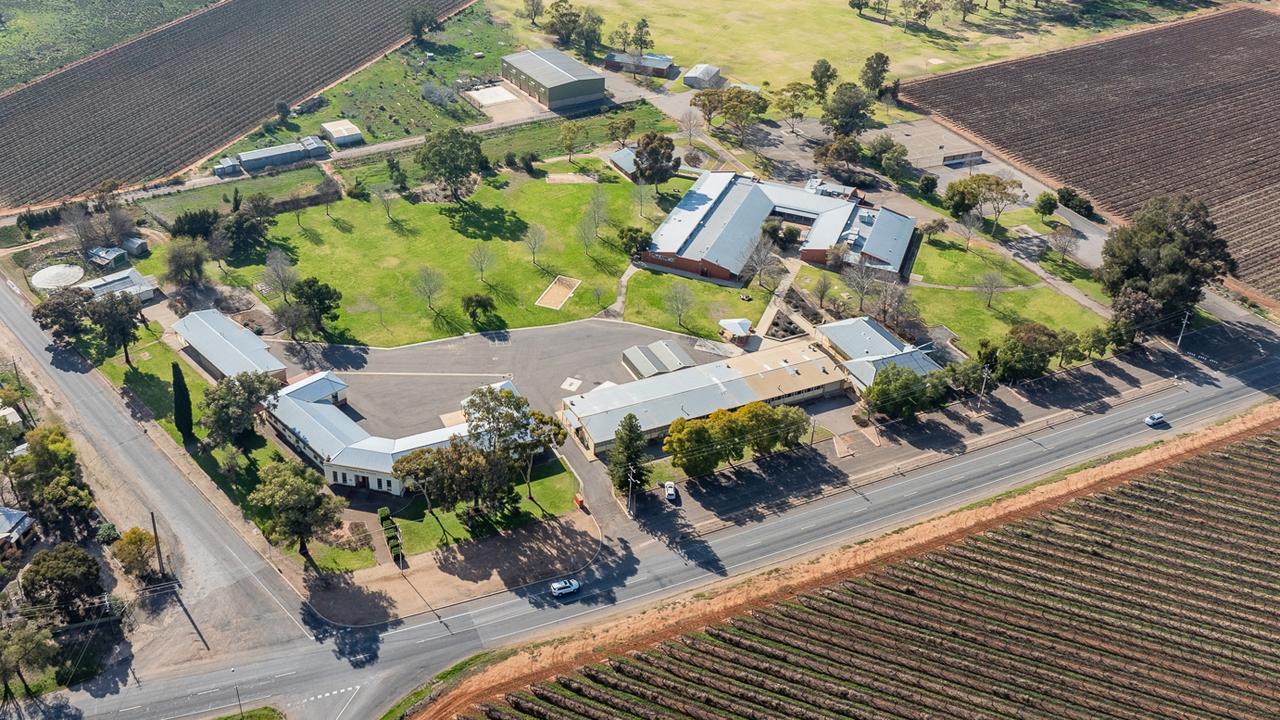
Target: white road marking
[206,692]
[292,672]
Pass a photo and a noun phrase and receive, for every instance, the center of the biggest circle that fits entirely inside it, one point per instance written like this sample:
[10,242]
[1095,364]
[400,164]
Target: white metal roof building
[224,348]
[659,357]
[552,78]
[788,373]
[342,133]
[702,76]
[128,281]
[309,415]
[867,347]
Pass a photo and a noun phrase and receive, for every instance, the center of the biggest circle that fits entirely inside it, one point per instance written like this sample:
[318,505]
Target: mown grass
[150,379]
[1081,277]
[647,293]
[218,197]
[943,260]
[373,259]
[262,713]
[554,487]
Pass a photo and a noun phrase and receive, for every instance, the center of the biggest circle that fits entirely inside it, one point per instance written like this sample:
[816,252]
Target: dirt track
[691,613]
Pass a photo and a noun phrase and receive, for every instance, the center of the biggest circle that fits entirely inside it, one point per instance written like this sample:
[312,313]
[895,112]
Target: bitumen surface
[313,669]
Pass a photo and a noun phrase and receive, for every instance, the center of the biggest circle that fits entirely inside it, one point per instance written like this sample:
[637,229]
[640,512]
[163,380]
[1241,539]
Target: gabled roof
[658,357]
[650,60]
[864,370]
[890,237]
[718,220]
[232,349]
[128,281]
[271,152]
[625,160]
[870,347]
[550,67]
[13,522]
[703,71]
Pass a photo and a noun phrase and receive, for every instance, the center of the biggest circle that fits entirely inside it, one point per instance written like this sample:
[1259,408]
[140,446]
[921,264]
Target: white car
[565,587]
[1154,419]
[670,489]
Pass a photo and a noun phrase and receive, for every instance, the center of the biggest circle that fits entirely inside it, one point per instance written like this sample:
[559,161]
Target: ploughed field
[1192,107]
[149,108]
[1153,600]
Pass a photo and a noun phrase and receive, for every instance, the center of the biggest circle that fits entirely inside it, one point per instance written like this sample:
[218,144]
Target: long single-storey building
[552,78]
[715,228]
[652,64]
[789,373]
[865,347]
[286,154]
[128,281]
[223,347]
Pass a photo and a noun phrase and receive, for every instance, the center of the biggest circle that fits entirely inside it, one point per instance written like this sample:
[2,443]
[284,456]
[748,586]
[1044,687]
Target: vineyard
[1153,600]
[1192,107]
[149,108]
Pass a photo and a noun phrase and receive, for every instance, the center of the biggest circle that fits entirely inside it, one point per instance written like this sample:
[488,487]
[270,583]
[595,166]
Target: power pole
[1185,319]
[238,703]
[986,373]
[155,534]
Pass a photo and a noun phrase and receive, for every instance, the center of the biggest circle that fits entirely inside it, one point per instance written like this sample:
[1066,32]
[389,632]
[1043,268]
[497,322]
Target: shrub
[928,184]
[384,514]
[527,161]
[510,159]
[107,533]
[438,95]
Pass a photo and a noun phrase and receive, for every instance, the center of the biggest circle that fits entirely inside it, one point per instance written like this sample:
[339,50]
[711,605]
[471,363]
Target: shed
[136,246]
[108,258]
[224,348]
[703,76]
[9,416]
[313,146]
[286,154]
[227,167]
[128,281]
[552,78]
[16,527]
[735,328]
[651,64]
[625,161]
[342,133]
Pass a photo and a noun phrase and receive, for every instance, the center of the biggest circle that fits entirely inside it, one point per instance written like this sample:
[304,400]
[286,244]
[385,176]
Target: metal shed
[552,78]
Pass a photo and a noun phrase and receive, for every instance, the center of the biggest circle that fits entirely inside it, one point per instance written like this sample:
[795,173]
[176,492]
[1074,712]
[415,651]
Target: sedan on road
[565,587]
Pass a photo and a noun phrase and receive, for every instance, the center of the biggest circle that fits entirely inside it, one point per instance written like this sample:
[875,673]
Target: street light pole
[1185,319]
[986,373]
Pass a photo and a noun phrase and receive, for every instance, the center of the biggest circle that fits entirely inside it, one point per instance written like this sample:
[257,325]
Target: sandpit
[558,292]
[56,276]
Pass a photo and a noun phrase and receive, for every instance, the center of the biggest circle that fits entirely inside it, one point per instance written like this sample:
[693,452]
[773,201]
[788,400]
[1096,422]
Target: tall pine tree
[626,457]
[181,403]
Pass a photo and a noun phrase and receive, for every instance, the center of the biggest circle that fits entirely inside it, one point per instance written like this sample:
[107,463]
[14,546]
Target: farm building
[785,374]
[866,347]
[715,228]
[703,76]
[287,154]
[656,358]
[227,167]
[552,78]
[108,258]
[309,416]
[128,281]
[651,64]
[342,133]
[223,347]
[136,246]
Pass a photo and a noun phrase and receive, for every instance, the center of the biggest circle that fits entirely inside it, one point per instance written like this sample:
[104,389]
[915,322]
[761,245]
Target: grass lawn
[966,314]
[385,99]
[647,293]
[554,486]
[1073,272]
[1022,216]
[779,41]
[218,197]
[944,261]
[374,260]
[150,379]
[11,236]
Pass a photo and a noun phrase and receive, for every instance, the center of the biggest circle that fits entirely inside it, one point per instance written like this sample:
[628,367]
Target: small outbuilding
[227,167]
[651,64]
[552,78]
[136,246]
[128,281]
[625,162]
[342,133]
[108,258]
[703,76]
[16,528]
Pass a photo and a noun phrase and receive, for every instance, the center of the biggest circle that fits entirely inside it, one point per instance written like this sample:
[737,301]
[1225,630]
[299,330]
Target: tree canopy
[65,313]
[656,162]
[118,317]
[450,157]
[321,300]
[300,509]
[229,404]
[848,111]
[66,576]
[627,455]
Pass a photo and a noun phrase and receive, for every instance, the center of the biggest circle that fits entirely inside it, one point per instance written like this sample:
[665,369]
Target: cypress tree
[181,403]
[626,457]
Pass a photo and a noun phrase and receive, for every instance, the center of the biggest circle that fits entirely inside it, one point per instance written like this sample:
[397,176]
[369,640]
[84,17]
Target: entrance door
[362,481]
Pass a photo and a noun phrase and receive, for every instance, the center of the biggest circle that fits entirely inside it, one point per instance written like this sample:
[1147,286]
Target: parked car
[1154,419]
[565,587]
[670,489]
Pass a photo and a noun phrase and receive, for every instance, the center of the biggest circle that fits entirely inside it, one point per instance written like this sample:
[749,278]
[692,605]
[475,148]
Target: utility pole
[986,373]
[1185,319]
[631,486]
[238,703]
[155,535]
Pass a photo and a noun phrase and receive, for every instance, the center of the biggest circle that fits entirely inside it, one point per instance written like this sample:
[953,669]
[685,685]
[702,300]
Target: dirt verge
[692,612]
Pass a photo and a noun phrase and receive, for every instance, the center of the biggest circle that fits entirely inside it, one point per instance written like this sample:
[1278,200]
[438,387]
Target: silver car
[565,587]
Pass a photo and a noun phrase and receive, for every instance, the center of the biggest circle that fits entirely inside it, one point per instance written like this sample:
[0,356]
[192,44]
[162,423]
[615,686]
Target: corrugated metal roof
[717,220]
[703,71]
[271,152]
[889,238]
[128,281]
[224,343]
[649,60]
[864,370]
[656,358]
[550,67]
[861,337]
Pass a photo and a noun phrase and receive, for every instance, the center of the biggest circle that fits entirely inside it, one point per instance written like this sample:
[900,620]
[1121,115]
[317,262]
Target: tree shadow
[343,226]
[311,235]
[49,707]
[489,322]
[927,433]
[755,489]
[480,222]
[321,356]
[335,597]
[400,227]
[503,292]
[668,525]
[447,321]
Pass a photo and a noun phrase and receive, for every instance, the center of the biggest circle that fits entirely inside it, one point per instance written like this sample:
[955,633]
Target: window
[379,483]
[344,478]
[335,476]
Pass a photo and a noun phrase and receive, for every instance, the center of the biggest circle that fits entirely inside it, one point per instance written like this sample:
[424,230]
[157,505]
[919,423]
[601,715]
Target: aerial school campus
[521,360]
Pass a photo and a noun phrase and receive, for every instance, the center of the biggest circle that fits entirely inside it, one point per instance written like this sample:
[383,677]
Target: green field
[944,261]
[150,379]
[1073,272]
[39,36]
[554,486]
[647,293]
[965,312]
[218,197]
[779,41]
[374,259]
[385,99]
